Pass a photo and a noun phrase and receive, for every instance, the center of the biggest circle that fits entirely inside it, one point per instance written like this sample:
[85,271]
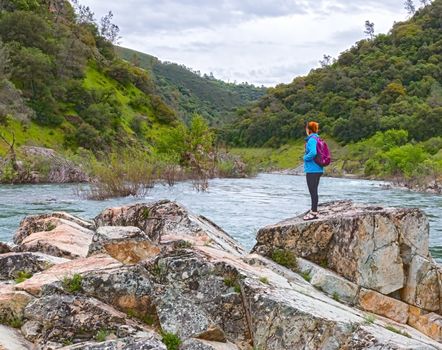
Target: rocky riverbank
[34,165]
[155,276]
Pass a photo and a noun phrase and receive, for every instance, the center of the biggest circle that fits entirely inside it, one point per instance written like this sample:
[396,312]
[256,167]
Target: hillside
[189,92]
[393,81]
[62,85]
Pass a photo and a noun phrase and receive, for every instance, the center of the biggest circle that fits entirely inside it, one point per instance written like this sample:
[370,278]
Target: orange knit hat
[313,127]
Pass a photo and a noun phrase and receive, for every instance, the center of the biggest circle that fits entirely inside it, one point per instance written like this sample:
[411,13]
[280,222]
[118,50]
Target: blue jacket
[310,165]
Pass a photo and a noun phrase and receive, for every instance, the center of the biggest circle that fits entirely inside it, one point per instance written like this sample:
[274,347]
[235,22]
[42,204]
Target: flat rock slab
[12,264]
[150,341]
[368,245]
[380,304]
[199,344]
[60,238]
[58,272]
[127,244]
[43,222]
[12,339]
[165,217]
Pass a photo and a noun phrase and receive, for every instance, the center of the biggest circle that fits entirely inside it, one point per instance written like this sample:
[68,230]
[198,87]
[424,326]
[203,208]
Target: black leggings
[313,183]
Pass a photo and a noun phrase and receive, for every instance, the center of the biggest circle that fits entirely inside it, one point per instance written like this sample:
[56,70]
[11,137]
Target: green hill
[382,98]
[392,81]
[62,85]
[189,92]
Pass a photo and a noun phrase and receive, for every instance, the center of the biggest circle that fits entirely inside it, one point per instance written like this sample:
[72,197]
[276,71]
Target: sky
[263,42]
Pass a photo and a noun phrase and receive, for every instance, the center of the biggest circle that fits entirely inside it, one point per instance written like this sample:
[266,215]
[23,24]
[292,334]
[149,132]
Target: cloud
[262,42]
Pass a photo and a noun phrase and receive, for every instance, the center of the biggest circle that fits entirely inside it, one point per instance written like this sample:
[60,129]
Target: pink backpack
[323,157]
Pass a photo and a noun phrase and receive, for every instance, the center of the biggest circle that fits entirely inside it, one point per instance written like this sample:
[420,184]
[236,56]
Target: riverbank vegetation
[63,87]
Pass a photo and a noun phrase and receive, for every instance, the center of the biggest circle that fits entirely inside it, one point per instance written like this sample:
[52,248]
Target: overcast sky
[258,41]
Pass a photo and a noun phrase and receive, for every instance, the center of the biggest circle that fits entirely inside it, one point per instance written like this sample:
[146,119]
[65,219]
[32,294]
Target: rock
[428,323]
[75,317]
[151,342]
[282,313]
[126,244]
[329,282]
[57,273]
[61,170]
[13,264]
[380,304]
[198,344]
[290,319]
[12,304]
[43,222]
[58,234]
[128,288]
[422,285]
[165,219]
[180,315]
[364,244]
[64,241]
[5,248]
[214,297]
[11,339]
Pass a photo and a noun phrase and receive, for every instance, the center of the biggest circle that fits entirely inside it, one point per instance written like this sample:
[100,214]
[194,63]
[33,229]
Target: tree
[4,61]
[109,30]
[84,13]
[369,29]
[425,2]
[326,61]
[409,6]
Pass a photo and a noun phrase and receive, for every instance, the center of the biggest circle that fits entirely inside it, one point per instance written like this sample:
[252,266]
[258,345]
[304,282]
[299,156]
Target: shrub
[22,276]
[101,335]
[232,282]
[397,331]
[369,318]
[72,284]
[264,280]
[120,175]
[171,340]
[306,276]
[285,258]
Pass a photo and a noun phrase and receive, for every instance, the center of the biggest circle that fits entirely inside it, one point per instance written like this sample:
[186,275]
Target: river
[239,206]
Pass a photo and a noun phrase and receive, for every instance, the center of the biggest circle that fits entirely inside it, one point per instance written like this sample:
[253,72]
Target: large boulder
[163,220]
[422,287]
[57,234]
[370,246]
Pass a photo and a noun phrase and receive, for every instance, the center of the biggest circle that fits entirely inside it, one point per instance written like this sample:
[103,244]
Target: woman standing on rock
[311,168]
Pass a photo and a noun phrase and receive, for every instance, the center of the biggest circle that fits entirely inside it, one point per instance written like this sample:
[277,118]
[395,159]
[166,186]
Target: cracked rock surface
[155,273]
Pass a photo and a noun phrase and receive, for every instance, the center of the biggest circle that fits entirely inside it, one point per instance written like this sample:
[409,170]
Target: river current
[239,206]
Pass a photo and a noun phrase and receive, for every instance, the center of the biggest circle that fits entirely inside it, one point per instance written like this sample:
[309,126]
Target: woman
[311,168]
